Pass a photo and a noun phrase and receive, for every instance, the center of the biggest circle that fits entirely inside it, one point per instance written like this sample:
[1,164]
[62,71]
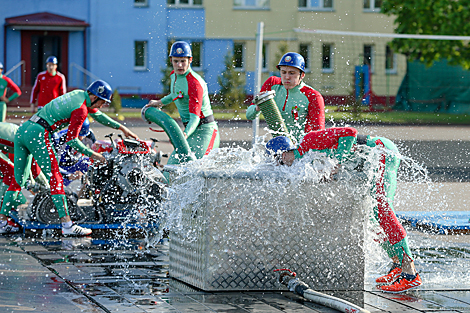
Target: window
[316,4]
[304,50]
[327,55]
[238,53]
[372,5]
[369,56]
[265,61]
[255,4]
[184,2]
[140,55]
[196,48]
[390,61]
[141,3]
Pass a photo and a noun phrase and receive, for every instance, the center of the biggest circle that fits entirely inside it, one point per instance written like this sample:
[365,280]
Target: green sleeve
[167,99]
[297,154]
[192,124]
[102,118]
[13,96]
[345,144]
[251,112]
[80,147]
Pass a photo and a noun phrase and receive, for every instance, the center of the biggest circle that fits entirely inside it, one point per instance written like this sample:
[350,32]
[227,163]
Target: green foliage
[166,81]
[282,49]
[232,83]
[116,102]
[437,17]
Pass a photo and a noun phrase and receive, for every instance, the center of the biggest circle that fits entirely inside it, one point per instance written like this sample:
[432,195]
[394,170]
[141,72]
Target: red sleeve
[76,120]
[324,139]
[35,92]
[195,93]
[271,81]
[316,110]
[12,86]
[62,87]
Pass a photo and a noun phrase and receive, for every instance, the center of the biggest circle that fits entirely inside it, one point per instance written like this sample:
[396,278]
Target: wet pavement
[102,275]
[47,274]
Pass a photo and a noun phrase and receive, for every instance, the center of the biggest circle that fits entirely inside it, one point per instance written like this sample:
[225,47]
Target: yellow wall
[223,21]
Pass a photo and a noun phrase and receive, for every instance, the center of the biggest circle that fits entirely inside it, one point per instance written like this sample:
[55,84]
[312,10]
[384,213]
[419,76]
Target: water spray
[289,279]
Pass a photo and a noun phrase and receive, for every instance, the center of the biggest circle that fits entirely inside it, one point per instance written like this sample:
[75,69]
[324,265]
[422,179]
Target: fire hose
[171,128]
[271,113]
[289,279]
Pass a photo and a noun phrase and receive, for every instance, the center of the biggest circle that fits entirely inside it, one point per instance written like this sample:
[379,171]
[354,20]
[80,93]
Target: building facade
[126,42]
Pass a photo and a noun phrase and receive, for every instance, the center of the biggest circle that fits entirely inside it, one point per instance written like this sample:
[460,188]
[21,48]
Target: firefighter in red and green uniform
[34,139]
[189,93]
[49,85]
[5,83]
[301,106]
[7,136]
[340,143]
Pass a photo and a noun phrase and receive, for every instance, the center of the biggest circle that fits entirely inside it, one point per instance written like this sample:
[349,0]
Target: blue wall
[114,26]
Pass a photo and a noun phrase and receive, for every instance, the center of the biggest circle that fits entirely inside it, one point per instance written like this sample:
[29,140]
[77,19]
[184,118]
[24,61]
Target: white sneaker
[10,227]
[76,230]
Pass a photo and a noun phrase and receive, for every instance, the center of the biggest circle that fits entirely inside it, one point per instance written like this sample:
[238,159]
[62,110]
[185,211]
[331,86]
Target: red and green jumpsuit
[7,136]
[5,83]
[189,92]
[34,140]
[47,87]
[339,142]
[301,107]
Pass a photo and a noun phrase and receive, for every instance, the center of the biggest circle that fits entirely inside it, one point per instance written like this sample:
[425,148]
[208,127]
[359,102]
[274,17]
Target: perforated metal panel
[234,234]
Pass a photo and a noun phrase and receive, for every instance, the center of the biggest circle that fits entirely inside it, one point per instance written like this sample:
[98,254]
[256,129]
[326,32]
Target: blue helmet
[279,144]
[85,130]
[292,59]
[1,65]
[52,59]
[180,49]
[101,89]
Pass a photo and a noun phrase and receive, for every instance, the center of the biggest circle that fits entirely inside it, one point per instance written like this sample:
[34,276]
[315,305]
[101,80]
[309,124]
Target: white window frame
[145,56]
[372,56]
[242,5]
[189,4]
[320,7]
[143,4]
[394,69]
[242,68]
[331,69]
[372,7]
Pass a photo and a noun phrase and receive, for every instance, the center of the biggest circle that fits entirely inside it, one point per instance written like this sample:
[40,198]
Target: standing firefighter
[49,85]
[339,143]
[302,107]
[34,139]
[5,83]
[189,92]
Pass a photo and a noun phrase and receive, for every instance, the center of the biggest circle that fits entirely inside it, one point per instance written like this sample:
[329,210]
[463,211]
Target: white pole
[258,70]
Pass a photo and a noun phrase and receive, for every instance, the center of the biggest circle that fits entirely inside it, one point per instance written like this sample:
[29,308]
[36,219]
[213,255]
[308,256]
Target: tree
[437,17]
[282,49]
[232,83]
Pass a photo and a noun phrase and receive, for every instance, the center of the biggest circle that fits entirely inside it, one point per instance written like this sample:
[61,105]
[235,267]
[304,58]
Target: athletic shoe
[10,227]
[76,230]
[393,275]
[402,284]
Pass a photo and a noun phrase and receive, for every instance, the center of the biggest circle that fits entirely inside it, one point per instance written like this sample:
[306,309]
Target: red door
[37,46]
